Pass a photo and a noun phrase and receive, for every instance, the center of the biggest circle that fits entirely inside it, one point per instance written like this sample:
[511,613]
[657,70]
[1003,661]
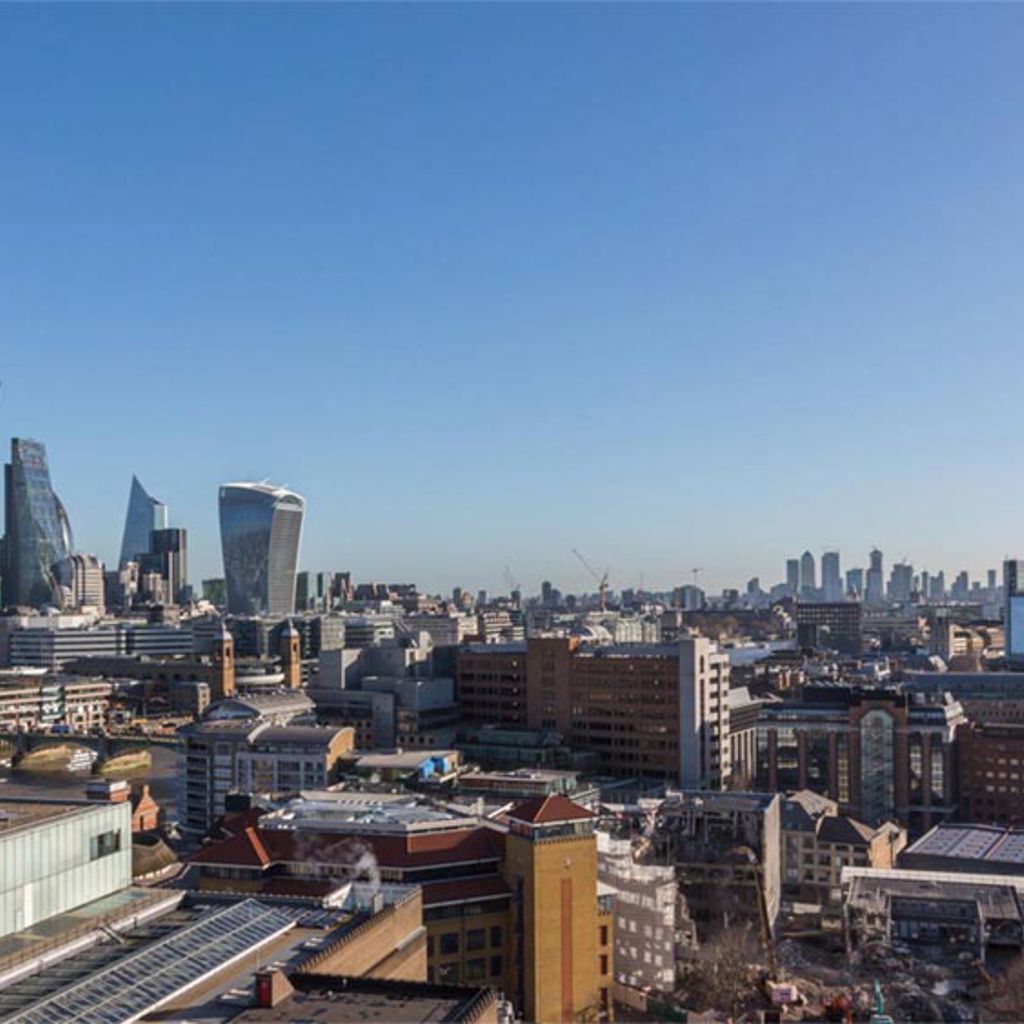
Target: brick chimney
[272,988]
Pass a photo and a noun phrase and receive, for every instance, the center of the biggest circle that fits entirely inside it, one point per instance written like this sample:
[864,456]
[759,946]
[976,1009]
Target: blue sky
[676,285]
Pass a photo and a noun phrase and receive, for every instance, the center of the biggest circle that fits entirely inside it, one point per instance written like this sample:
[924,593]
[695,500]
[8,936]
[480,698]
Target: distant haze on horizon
[676,285]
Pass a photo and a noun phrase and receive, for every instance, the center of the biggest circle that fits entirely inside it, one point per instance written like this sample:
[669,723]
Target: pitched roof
[244,849]
[256,847]
[544,810]
[842,829]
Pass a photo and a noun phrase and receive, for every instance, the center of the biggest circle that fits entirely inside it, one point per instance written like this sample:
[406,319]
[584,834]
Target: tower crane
[599,579]
[510,581]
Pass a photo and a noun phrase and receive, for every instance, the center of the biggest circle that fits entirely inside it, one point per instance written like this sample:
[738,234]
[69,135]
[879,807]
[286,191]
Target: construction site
[707,928]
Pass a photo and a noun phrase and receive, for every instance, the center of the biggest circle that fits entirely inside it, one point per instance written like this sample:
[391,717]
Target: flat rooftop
[984,843]
[325,998]
[18,815]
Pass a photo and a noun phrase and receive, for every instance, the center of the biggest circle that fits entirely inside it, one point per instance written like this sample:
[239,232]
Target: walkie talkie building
[260,530]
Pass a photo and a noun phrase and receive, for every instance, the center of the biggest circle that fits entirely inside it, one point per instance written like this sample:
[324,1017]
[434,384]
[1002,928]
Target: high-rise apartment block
[37,532]
[260,529]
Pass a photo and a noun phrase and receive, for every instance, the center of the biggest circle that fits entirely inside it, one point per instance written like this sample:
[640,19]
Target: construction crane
[697,570]
[600,579]
[510,581]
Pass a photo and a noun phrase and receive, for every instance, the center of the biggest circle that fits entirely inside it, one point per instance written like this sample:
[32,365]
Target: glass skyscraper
[145,514]
[37,532]
[260,530]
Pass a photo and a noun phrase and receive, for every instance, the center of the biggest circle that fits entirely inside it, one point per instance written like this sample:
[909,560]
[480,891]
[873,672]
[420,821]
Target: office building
[855,583]
[808,578]
[1013,610]
[879,754]
[874,583]
[991,775]
[145,514]
[85,582]
[260,528]
[834,626]
[901,582]
[167,557]
[652,710]
[793,576]
[831,577]
[37,531]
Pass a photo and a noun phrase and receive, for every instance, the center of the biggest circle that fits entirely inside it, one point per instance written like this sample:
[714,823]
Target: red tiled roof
[245,849]
[544,810]
[260,847]
[464,889]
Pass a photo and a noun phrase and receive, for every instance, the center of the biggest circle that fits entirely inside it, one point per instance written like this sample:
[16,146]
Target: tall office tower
[901,582]
[87,582]
[808,581]
[260,531]
[874,591]
[168,557]
[991,579]
[961,588]
[145,514]
[754,586]
[925,590]
[546,592]
[937,587]
[1013,610]
[793,575]
[855,583]
[37,532]
[831,578]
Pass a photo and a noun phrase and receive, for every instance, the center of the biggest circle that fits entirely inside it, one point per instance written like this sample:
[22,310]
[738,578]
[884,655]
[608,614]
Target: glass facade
[145,514]
[877,772]
[260,530]
[37,531]
[62,861]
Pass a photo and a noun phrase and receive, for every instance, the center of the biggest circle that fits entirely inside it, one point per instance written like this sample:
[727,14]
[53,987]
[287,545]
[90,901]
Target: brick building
[991,760]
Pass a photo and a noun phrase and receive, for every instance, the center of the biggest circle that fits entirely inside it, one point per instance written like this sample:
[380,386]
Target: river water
[162,776]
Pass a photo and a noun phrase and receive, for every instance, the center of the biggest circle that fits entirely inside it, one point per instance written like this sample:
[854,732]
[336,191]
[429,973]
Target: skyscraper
[1013,613]
[831,577]
[793,575]
[874,584]
[145,514]
[167,556]
[37,532]
[808,581]
[260,530]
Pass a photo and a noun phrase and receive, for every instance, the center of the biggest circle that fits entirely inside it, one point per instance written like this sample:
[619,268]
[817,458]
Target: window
[604,935]
[448,974]
[604,963]
[475,969]
[449,943]
[430,945]
[497,938]
[496,966]
[104,844]
[476,938]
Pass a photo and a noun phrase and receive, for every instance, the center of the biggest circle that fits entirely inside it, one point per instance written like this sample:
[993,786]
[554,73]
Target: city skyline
[485,285]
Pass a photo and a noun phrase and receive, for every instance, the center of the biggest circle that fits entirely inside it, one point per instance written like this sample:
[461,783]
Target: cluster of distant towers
[260,527]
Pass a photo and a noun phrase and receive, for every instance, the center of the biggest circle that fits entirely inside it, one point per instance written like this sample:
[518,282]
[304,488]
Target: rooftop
[18,815]
[331,998]
[546,810]
[991,843]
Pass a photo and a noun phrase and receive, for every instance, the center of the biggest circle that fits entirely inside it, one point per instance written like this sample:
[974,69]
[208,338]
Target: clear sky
[677,285]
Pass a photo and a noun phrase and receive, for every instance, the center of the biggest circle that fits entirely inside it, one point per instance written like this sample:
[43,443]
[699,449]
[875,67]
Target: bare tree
[724,974]
[1003,999]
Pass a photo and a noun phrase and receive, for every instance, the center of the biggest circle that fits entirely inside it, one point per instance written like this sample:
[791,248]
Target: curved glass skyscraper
[260,530]
[37,531]
[145,514]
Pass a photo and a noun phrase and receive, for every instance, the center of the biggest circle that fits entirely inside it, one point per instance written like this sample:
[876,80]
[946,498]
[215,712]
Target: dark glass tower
[260,529]
[145,514]
[37,532]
